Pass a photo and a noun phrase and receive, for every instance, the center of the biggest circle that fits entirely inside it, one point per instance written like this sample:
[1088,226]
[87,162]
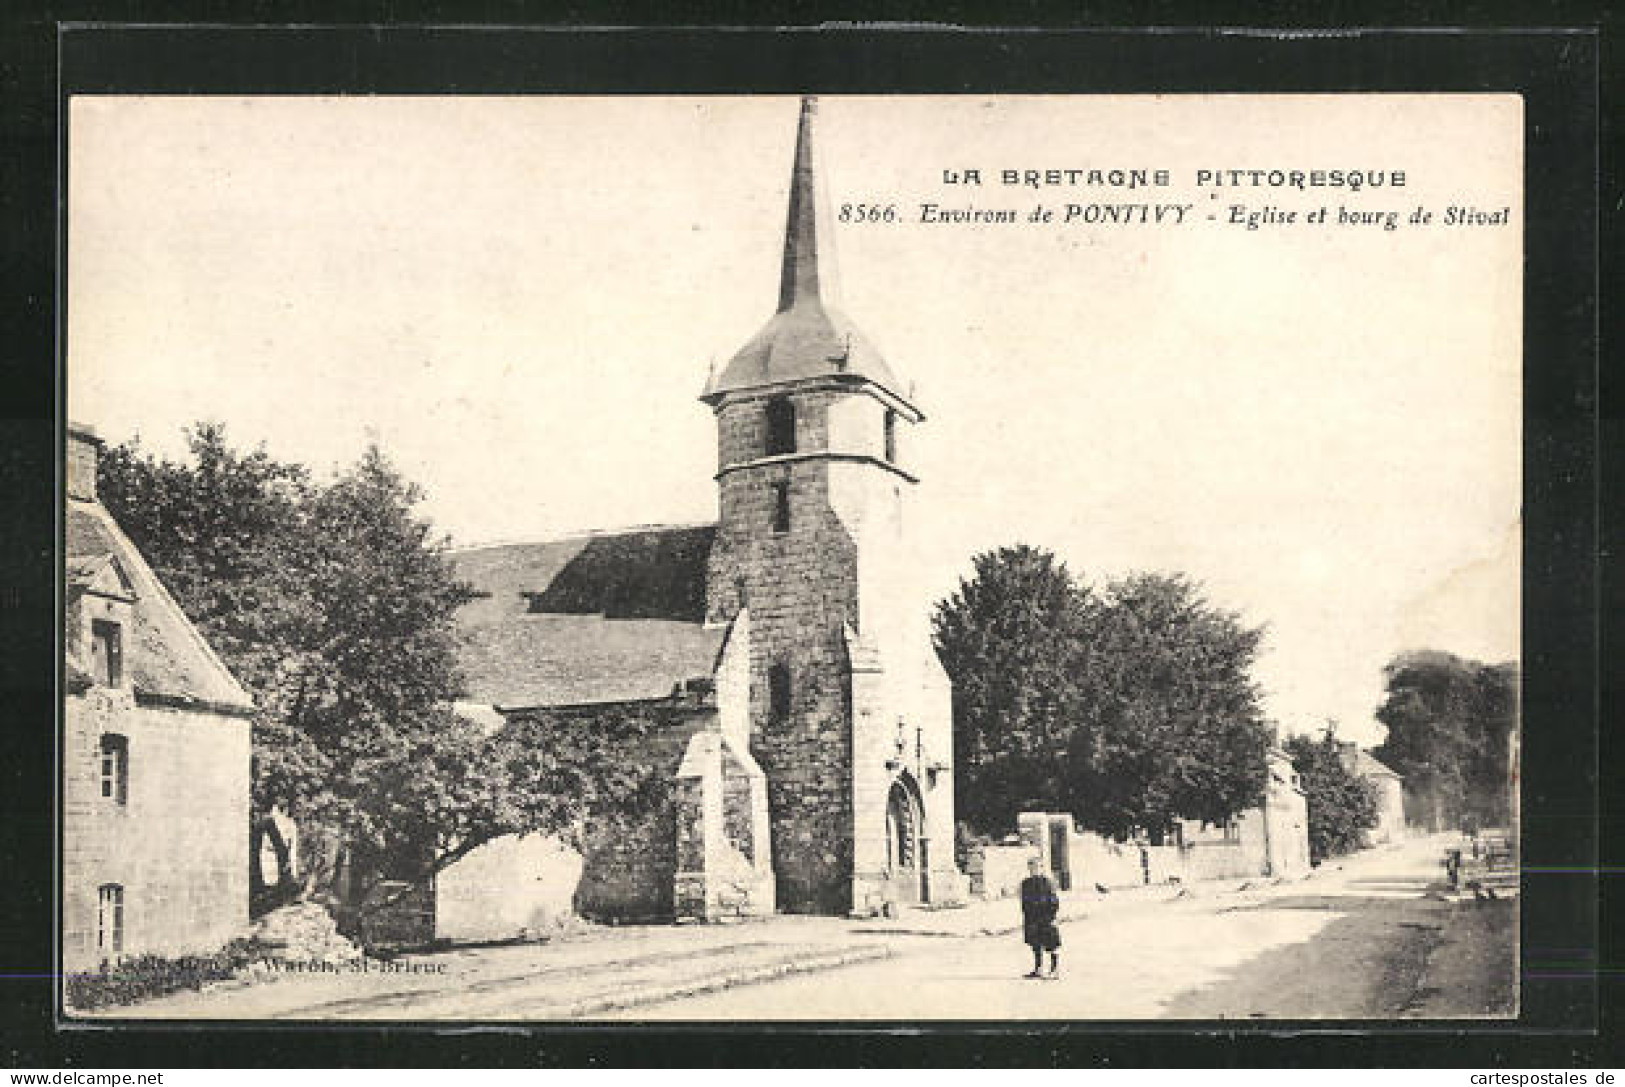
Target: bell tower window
[781,427]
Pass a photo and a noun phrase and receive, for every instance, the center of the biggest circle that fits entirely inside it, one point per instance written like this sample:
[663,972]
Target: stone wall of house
[1390,809]
[1285,825]
[178,845]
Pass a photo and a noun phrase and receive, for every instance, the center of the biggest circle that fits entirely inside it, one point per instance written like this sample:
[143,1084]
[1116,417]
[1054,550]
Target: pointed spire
[808,274]
[808,336]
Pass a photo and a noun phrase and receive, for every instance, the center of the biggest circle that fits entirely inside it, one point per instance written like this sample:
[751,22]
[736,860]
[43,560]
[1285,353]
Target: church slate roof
[166,657]
[607,617]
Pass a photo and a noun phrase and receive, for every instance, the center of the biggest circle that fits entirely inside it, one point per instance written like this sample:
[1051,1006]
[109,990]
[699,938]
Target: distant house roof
[1366,765]
[606,617]
[166,657]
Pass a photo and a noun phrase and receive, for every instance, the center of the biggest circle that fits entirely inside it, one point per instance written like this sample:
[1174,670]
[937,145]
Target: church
[792,703]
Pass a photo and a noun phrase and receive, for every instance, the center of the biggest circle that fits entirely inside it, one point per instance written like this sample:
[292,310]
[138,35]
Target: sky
[519,298]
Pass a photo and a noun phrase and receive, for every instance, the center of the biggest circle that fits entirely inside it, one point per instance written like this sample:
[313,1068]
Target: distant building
[1285,819]
[1269,840]
[155,752]
[1388,785]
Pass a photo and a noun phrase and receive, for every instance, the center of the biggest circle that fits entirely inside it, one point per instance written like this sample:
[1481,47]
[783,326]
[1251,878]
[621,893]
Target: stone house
[803,719]
[1388,786]
[155,754]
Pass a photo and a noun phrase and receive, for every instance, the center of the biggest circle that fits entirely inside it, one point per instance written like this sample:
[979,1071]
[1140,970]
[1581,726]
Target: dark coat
[1040,902]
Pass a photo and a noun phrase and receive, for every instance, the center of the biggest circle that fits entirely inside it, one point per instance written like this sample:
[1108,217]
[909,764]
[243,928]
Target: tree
[1131,708]
[1011,640]
[334,603]
[1342,807]
[1177,730]
[1450,727]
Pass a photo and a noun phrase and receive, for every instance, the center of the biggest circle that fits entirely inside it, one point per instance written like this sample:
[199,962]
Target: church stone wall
[629,858]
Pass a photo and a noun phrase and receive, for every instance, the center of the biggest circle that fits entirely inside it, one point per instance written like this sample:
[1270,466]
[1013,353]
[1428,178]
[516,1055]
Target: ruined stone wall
[178,845]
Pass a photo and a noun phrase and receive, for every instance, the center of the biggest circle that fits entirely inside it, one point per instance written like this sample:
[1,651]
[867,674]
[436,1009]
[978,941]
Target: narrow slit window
[778,691]
[891,436]
[115,768]
[781,507]
[781,427]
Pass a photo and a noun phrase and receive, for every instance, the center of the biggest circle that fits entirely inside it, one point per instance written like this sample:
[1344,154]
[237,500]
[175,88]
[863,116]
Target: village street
[1359,939]
[1362,937]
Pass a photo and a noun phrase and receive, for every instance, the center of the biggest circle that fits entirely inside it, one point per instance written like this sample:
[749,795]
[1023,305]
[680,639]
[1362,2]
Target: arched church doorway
[903,847]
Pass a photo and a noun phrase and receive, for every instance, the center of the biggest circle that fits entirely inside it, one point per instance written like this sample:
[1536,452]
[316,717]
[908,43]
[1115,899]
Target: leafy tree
[1011,640]
[1342,807]
[1450,723]
[1130,708]
[1177,726]
[333,602]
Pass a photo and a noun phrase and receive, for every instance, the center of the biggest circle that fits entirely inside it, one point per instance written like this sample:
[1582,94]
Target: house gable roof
[100,575]
[1368,765]
[166,657]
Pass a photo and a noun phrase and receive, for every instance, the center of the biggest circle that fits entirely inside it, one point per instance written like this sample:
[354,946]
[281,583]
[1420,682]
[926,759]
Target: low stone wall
[1219,860]
[1100,861]
[1091,861]
[996,871]
[516,886]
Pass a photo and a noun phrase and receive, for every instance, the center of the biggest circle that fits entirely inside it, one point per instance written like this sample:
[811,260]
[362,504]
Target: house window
[115,775]
[891,436]
[106,652]
[778,691]
[781,507]
[110,921]
[781,427]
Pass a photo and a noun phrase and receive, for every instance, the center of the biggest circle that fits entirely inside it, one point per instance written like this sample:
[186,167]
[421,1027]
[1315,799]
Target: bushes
[145,976]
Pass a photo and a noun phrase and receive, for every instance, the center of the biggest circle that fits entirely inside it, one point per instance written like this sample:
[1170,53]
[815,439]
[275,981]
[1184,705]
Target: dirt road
[1360,939]
[1357,941]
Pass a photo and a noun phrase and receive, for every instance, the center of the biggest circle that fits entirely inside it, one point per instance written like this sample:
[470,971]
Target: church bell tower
[848,718]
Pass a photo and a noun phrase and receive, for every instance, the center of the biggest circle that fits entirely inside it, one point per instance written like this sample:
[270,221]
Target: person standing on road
[1040,903]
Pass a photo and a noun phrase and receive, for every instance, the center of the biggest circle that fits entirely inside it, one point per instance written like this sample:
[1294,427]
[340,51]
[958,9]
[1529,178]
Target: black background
[49,52]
